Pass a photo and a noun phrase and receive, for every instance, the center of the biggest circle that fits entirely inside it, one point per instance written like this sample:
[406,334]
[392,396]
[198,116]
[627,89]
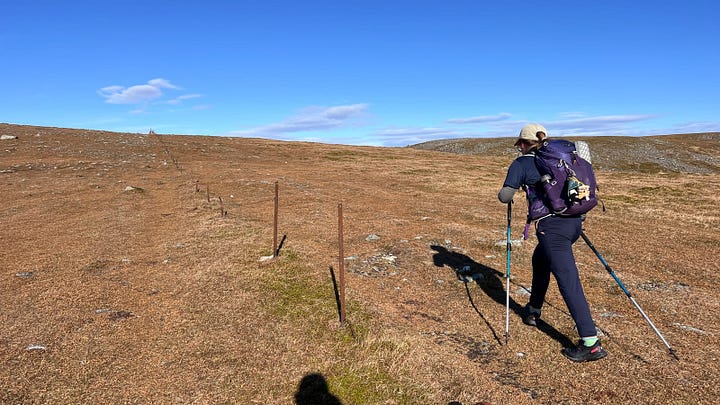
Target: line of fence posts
[176,162]
[276,248]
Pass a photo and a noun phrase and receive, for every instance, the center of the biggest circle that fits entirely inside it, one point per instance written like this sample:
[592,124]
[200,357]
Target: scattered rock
[659,286]
[36,347]
[118,315]
[513,242]
[690,328]
[523,292]
[132,189]
[372,237]
[25,274]
[610,314]
[390,258]
[266,258]
[381,264]
[7,137]
[466,275]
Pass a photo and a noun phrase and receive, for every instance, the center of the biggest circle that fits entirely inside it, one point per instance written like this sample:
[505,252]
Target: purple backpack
[567,186]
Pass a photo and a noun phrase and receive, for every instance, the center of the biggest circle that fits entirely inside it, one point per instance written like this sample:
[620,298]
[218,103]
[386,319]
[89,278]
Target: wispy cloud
[598,122]
[180,99]
[163,84]
[690,127]
[579,124]
[308,120]
[480,119]
[500,125]
[137,94]
[412,135]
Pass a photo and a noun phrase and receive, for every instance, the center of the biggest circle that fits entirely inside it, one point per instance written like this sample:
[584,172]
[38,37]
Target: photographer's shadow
[491,283]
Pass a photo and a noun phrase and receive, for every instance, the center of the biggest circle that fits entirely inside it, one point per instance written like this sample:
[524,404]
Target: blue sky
[387,73]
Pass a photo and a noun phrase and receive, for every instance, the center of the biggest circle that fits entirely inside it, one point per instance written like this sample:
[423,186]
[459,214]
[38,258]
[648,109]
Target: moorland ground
[131,273]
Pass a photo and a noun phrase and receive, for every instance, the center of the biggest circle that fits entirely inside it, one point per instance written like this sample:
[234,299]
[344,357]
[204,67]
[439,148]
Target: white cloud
[310,119]
[691,127]
[598,122]
[410,135]
[607,125]
[479,119]
[163,84]
[499,125]
[141,93]
[180,99]
[415,132]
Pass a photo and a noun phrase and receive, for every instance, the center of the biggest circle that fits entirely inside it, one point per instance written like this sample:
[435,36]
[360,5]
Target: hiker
[553,253]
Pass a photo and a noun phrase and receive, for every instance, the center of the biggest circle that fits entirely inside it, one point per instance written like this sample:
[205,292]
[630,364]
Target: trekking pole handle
[509,212]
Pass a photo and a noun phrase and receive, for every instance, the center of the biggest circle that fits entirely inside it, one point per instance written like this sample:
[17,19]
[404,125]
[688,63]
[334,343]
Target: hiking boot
[530,318]
[581,353]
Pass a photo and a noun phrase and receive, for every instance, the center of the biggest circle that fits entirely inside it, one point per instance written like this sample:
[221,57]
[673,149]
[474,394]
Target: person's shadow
[467,270]
[313,390]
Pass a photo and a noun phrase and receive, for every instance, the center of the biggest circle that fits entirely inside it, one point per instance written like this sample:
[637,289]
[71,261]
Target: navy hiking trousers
[554,254]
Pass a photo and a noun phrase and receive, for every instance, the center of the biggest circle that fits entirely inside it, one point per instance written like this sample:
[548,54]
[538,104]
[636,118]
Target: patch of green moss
[366,385]
[293,296]
[619,198]
[662,191]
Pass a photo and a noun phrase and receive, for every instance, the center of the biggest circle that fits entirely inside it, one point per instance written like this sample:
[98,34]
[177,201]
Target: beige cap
[530,132]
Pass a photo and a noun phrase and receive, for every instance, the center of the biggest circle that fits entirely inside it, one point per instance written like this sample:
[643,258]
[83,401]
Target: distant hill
[679,153]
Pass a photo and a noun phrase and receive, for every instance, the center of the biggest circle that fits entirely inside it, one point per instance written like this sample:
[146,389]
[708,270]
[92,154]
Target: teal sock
[589,341]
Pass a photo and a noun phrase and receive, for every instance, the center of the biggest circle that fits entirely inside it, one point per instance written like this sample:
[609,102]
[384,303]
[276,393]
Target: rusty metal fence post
[275,222]
[341,265]
[222,207]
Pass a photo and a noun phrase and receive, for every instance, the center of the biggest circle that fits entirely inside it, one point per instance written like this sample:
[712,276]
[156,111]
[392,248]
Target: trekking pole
[508,248]
[625,290]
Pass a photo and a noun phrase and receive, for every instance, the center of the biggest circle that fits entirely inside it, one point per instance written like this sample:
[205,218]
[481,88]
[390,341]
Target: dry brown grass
[151,296]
